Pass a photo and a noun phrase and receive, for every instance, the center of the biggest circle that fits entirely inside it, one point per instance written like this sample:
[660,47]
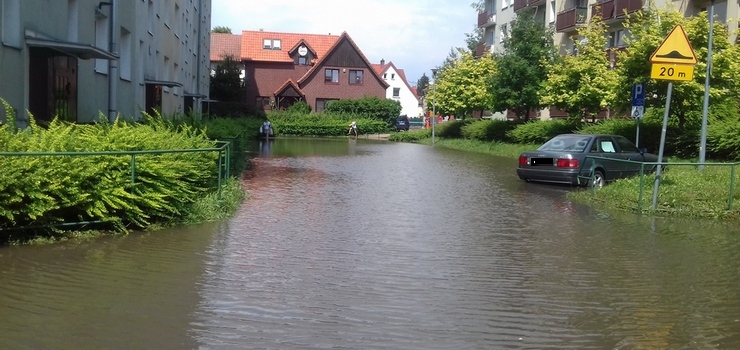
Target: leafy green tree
[422,84]
[463,87]
[582,84]
[226,85]
[528,53]
[473,39]
[647,31]
[222,30]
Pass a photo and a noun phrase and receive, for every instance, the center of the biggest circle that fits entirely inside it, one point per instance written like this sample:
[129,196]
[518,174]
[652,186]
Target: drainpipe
[113,64]
[198,63]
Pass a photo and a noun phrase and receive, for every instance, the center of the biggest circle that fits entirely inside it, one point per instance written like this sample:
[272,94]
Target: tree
[472,40]
[527,54]
[422,84]
[222,30]
[463,87]
[226,85]
[582,84]
[647,31]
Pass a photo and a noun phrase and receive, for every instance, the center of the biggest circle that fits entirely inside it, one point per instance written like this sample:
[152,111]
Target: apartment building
[565,17]
[80,59]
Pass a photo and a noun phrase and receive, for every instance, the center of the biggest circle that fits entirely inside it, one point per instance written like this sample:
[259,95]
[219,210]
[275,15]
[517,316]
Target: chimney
[382,62]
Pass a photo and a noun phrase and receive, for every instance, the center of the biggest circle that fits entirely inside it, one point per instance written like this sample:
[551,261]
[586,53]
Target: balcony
[571,19]
[483,49]
[486,19]
[520,4]
[611,10]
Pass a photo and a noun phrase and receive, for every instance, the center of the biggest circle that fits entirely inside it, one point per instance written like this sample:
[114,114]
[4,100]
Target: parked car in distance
[402,123]
[563,159]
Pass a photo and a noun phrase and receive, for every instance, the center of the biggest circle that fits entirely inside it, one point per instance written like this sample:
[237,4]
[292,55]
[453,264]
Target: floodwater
[366,244]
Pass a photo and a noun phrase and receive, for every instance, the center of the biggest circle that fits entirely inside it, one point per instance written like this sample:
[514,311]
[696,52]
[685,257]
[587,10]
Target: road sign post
[638,107]
[673,60]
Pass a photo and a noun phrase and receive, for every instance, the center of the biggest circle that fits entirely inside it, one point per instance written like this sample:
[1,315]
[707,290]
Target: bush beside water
[44,191]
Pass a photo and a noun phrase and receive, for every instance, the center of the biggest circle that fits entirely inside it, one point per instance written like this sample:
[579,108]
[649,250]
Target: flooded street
[366,244]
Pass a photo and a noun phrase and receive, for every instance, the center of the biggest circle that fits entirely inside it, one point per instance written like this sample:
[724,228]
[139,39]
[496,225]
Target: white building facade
[399,89]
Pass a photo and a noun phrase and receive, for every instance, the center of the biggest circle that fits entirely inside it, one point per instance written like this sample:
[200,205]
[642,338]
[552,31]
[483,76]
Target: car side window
[626,146]
[607,146]
[595,148]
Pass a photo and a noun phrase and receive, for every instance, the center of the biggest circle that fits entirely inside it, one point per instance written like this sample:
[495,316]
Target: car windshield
[567,143]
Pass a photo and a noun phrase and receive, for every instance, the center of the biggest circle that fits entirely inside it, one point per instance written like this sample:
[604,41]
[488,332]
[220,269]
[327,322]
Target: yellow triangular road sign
[675,49]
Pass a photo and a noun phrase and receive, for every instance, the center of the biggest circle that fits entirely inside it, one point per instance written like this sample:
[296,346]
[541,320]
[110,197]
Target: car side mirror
[643,150]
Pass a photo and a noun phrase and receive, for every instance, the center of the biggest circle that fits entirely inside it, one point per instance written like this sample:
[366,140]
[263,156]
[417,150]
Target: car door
[607,148]
[628,151]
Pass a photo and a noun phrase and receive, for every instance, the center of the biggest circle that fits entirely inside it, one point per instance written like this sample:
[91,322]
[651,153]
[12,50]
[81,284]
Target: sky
[416,35]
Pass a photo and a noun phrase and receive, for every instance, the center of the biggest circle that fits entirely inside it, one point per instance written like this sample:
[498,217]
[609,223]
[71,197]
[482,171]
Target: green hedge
[323,124]
[48,190]
[538,132]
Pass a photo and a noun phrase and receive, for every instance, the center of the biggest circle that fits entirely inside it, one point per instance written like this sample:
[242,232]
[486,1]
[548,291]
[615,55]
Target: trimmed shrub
[368,107]
[451,129]
[489,129]
[537,132]
[411,136]
[48,190]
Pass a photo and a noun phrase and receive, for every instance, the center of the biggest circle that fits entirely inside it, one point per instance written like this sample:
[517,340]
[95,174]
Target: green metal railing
[224,160]
[223,150]
[652,165]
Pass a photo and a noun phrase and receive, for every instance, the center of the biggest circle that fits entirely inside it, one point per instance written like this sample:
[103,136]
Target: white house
[399,89]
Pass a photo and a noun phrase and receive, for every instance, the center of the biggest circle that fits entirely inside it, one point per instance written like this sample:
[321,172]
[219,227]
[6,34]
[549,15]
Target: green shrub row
[49,190]
[369,107]
[323,124]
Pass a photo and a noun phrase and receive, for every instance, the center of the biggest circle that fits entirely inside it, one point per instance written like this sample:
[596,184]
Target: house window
[616,38]
[331,76]
[396,92]
[125,55]
[385,75]
[102,41]
[271,44]
[11,23]
[302,61]
[322,102]
[263,102]
[393,76]
[355,77]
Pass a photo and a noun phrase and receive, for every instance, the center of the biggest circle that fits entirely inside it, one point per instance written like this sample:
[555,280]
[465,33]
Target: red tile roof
[223,44]
[251,45]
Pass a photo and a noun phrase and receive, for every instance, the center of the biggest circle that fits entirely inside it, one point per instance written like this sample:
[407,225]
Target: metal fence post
[642,184]
[732,186]
[133,168]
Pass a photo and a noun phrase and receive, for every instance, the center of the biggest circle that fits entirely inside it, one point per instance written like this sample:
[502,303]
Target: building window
[355,77]
[271,44]
[321,103]
[302,61]
[263,102]
[385,75]
[11,23]
[331,76]
[102,41]
[125,55]
[396,92]
[616,38]
[393,76]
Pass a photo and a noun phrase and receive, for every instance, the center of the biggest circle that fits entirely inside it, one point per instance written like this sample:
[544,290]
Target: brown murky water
[361,244]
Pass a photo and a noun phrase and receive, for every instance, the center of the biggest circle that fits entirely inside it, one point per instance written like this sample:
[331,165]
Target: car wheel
[598,179]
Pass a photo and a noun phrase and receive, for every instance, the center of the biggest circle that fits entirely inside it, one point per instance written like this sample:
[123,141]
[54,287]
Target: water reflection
[363,244]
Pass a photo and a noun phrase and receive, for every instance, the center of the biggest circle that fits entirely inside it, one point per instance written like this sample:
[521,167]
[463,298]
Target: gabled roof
[251,45]
[298,44]
[286,85]
[382,68]
[323,57]
[224,44]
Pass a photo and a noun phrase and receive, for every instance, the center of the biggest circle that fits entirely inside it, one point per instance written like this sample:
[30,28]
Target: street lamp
[434,101]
